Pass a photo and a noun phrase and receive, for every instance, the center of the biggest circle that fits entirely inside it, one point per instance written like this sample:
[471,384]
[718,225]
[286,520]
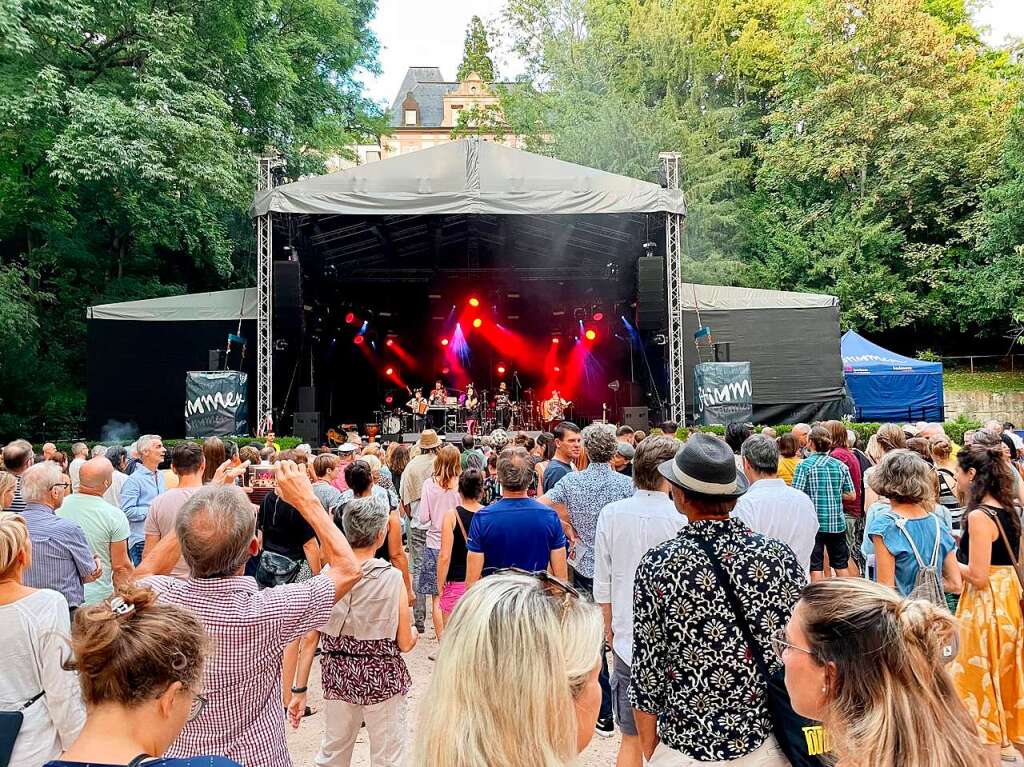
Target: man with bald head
[105,526]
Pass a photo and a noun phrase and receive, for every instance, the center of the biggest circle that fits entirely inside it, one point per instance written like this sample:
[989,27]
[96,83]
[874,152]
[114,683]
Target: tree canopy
[476,53]
[128,141]
[865,149]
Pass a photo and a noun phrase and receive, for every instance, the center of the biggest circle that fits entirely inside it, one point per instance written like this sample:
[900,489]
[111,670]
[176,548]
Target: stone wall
[983,405]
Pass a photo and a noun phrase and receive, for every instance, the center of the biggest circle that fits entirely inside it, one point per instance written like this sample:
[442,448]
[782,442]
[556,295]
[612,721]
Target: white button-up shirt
[626,530]
[775,510]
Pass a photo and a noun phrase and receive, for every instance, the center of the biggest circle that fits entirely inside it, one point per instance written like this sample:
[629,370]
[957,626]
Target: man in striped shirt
[61,557]
[216,533]
[18,456]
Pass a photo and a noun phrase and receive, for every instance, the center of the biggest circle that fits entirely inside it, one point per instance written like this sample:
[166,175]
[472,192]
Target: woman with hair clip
[867,664]
[516,678]
[140,669]
[34,631]
[989,670]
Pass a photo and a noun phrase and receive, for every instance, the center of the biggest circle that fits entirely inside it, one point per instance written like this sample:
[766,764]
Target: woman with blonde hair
[34,631]
[8,484]
[440,495]
[898,710]
[889,437]
[140,669]
[989,669]
[516,678]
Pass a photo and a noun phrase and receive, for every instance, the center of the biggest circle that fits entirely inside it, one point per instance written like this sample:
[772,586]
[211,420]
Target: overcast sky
[419,33]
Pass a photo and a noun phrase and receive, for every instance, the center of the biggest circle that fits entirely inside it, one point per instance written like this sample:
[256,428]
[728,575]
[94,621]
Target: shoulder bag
[994,516]
[10,726]
[801,740]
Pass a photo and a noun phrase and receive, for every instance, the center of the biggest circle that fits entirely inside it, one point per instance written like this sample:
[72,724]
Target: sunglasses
[554,587]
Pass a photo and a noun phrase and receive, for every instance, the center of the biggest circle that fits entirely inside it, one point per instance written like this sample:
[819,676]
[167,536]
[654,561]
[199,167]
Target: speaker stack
[652,301]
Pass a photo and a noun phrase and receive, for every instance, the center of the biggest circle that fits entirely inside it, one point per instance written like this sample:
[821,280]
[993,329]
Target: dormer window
[410,111]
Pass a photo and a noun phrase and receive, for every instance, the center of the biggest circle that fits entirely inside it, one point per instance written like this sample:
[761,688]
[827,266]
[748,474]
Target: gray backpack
[928,583]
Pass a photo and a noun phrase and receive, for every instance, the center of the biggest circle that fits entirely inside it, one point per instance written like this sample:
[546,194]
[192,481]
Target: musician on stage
[554,410]
[418,406]
[503,406]
[438,395]
[471,404]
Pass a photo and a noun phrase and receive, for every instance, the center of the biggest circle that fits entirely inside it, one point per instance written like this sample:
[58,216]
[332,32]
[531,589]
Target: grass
[1001,381]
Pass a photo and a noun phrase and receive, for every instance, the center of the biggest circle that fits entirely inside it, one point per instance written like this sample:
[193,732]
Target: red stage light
[445,371]
[555,340]
[598,316]
[388,400]
[591,335]
[474,302]
[477,322]
[350,318]
[389,372]
[444,342]
[501,370]
[558,369]
[389,342]
[358,340]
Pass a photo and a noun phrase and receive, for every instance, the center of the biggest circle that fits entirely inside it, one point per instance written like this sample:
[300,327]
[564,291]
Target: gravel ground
[305,741]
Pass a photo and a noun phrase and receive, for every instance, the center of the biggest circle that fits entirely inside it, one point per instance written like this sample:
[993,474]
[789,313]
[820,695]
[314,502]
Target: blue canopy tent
[886,386]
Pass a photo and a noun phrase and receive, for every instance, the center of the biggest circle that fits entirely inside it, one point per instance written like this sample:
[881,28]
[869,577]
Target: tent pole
[265,305]
[674,286]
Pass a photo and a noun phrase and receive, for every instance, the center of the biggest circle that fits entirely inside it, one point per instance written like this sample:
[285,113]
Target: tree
[129,135]
[476,53]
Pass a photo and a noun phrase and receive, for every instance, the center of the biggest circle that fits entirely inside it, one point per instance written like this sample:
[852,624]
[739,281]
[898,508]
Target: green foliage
[865,149]
[476,54]
[864,431]
[286,443]
[128,140]
[1002,381]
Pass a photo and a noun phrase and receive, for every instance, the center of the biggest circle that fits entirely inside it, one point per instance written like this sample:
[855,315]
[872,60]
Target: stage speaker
[216,359]
[306,426]
[651,302]
[288,318]
[307,398]
[636,417]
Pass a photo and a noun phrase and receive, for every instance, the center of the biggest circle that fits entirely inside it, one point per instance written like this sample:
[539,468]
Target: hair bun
[926,625]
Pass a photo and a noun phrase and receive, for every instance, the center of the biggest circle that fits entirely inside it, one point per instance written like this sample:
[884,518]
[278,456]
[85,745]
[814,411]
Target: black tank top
[457,566]
[1000,556]
[383,552]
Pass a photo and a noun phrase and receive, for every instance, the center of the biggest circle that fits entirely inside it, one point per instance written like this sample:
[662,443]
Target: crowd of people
[702,596]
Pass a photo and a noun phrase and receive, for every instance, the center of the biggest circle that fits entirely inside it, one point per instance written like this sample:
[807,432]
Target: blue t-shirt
[192,761]
[922,531]
[878,508]
[515,532]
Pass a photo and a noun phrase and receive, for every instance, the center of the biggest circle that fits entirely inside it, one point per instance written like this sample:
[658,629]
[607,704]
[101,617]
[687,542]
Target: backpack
[927,583]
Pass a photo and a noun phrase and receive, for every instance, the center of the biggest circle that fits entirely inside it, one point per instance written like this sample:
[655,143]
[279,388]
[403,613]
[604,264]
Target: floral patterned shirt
[691,665]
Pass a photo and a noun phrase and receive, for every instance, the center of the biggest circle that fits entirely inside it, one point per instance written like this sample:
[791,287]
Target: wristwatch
[297,690]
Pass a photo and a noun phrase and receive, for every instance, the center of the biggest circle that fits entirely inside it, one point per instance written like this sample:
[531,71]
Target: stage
[469,264]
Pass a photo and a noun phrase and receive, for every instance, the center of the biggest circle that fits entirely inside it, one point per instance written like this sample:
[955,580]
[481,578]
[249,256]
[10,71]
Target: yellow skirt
[989,669]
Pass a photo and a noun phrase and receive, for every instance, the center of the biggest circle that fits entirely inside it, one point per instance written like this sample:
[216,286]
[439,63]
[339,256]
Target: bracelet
[297,690]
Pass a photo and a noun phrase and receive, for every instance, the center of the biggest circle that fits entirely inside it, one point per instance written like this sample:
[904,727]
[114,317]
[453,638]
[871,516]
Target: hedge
[286,443]
[954,429]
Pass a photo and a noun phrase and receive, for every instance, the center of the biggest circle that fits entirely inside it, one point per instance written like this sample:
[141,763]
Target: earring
[824,689]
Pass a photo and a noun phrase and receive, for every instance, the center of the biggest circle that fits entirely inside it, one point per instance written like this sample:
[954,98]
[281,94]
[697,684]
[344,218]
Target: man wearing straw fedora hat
[415,474]
[697,693]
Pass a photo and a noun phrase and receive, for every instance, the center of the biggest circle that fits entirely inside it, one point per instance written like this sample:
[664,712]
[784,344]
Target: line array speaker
[652,302]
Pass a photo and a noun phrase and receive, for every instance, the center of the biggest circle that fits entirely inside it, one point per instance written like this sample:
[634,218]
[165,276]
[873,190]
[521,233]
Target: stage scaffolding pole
[674,286]
[265,298]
